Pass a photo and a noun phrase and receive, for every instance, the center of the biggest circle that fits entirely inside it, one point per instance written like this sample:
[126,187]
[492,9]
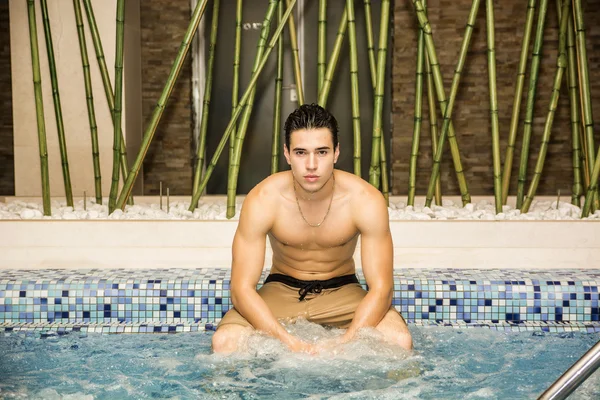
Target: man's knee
[227,338]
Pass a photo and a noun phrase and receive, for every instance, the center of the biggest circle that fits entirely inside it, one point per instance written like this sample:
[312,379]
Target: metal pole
[574,376]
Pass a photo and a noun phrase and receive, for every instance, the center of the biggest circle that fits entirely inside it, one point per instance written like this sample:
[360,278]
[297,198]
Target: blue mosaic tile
[200,297]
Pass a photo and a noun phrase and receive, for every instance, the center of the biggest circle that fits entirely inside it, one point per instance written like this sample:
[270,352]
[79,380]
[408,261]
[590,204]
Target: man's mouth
[311,178]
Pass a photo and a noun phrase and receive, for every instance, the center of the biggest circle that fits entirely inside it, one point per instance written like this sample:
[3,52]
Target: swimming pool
[446,363]
[478,334]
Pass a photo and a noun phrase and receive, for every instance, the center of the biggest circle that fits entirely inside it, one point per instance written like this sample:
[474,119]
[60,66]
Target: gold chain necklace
[328,208]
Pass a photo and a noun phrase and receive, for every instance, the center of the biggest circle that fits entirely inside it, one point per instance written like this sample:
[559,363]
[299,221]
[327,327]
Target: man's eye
[323,152]
[299,153]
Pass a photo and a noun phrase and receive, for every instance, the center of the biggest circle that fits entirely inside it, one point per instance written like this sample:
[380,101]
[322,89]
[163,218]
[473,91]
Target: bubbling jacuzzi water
[446,363]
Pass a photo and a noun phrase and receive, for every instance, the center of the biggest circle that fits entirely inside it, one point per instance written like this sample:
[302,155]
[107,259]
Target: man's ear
[286,153]
[336,153]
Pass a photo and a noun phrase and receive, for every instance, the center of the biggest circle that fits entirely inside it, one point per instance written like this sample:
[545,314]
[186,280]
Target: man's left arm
[372,219]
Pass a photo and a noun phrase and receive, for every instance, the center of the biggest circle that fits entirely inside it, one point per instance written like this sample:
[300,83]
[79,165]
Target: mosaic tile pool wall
[179,300]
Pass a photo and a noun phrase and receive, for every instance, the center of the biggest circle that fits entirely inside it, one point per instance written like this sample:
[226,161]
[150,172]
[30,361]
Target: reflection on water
[446,363]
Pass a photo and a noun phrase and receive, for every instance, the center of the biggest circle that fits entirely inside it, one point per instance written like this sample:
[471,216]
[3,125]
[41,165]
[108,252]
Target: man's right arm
[256,219]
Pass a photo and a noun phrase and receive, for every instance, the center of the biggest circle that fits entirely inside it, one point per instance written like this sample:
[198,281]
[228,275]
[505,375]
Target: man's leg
[233,330]
[229,338]
[394,329]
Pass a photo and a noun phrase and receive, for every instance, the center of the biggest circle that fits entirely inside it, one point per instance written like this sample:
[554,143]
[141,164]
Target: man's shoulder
[356,187]
[269,190]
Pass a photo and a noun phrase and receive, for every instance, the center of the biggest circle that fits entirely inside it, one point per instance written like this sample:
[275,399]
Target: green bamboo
[295,53]
[120,41]
[236,69]
[354,85]
[577,188]
[240,107]
[370,43]
[201,151]
[375,169]
[39,108]
[60,127]
[433,128]
[586,99]
[108,90]
[234,163]
[491,38]
[160,106]
[89,97]
[278,89]
[528,124]
[516,110]
[414,152]
[333,60]
[385,190]
[561,64]
[446,106]
[322,45]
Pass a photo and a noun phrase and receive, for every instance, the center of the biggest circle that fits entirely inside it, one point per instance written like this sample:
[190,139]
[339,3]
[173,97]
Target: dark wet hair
[310,116]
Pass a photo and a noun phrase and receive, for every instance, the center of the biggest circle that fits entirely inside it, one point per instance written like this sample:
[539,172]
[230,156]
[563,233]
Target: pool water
[446,363]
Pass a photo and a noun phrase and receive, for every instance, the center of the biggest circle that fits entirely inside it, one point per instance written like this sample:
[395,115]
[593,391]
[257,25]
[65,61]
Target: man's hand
[300,346]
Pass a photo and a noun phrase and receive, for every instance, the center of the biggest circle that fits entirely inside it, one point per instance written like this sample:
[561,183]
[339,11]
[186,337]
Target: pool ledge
[207,244]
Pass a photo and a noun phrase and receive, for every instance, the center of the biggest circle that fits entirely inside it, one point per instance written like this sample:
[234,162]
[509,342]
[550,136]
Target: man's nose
[311,162]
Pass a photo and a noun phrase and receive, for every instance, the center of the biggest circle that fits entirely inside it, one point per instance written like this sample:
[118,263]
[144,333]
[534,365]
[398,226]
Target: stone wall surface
[163,25]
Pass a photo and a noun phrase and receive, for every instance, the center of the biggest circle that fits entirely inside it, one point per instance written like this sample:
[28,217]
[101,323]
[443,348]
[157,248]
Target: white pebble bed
[481,210]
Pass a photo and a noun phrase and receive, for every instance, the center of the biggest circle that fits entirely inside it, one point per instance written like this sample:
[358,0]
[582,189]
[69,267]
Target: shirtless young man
[313,216]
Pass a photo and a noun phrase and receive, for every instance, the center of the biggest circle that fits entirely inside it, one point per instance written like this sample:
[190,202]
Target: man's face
[312,157]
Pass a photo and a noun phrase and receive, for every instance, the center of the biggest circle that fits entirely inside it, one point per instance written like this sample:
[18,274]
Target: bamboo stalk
[375,169]
[354,85]
[108,90]
[370,43]
[586,99]
[89,97]
[160,106]
[433,128]
[414,152]
[278,88]
[322,45]
[120,41]
[385,190]
[516,110]
[528,123]
[333,60]
[577,188]
[561,64]
[60,127]
[39,108]
[446,106]
[491,38]
[240,107]
[201,151]
[236,70]
[295,53]
[234,163]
